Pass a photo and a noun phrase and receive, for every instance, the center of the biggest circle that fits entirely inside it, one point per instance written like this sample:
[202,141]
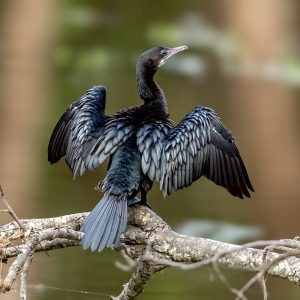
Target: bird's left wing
[198,145]
[79,126]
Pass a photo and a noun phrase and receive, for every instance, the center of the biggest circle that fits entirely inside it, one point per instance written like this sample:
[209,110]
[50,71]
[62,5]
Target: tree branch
[138,280]
[10,210]
[154,245]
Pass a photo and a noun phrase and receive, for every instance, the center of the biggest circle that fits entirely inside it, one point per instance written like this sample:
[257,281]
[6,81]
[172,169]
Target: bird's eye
[163,52]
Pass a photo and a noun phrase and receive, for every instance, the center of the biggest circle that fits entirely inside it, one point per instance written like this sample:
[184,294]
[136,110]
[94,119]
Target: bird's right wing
[78,128]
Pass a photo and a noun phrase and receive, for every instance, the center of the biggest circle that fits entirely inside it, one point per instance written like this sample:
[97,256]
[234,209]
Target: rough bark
[152,243]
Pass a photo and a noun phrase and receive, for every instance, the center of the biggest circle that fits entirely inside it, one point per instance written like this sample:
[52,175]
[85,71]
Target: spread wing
[78,128]
[198,145]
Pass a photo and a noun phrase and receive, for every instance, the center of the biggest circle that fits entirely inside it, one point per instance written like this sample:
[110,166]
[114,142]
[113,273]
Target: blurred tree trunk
[25,37]
[268,111]
[26,34]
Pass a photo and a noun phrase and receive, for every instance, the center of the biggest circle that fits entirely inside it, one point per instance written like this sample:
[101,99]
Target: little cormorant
[143,146]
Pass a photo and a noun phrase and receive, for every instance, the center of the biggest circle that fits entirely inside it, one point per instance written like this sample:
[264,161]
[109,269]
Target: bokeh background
[244,61]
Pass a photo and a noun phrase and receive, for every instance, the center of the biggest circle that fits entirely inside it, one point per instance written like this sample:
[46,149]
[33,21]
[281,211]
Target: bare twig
[10,210]
[44,245]
[17,266]
[260,275]
[24,273]
[27,249]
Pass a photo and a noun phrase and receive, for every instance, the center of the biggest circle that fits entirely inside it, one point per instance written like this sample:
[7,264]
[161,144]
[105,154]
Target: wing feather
[198,145]
[149,142]
[118,130]
[79,126]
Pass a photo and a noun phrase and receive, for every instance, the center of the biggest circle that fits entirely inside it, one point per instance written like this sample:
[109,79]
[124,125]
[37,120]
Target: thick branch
[138,280]
[12,229]
[152,243]
[178,248]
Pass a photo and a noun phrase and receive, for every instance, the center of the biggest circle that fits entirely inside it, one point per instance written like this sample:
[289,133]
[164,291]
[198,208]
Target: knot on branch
[4,287]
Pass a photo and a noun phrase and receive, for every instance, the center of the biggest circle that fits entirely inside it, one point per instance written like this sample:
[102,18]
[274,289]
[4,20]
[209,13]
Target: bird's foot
[136,200]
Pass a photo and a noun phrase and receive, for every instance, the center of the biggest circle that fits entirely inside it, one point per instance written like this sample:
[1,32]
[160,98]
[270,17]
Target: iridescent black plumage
[82,123]
[143,146]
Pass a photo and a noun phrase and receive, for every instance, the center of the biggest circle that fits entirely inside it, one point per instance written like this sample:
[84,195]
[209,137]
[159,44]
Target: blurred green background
[243,60]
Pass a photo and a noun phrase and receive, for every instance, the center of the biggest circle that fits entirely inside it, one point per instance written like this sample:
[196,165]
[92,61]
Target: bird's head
[155,57]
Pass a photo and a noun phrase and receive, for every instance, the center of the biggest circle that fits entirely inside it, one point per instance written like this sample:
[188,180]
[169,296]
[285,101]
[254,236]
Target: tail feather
[123,223]
[118,230]
[105,224]
[100,238]
[90,224]
[111,223]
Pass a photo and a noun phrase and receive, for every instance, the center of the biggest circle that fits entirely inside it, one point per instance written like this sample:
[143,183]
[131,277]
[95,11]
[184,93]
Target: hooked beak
[171,52]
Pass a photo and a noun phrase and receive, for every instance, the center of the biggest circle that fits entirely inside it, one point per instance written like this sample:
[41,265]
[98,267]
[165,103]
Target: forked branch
[153,244]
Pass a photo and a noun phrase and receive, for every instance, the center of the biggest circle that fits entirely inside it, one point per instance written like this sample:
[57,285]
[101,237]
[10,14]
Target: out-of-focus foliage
[220,231]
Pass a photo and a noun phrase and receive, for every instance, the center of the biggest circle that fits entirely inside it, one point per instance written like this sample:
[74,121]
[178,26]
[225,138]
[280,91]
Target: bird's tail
[105,224]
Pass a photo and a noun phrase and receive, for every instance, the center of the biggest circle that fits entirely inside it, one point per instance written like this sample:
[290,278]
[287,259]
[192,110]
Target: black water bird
[143,146]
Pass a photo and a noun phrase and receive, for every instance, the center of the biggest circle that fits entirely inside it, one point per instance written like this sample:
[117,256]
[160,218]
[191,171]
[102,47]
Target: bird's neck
[149,91]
